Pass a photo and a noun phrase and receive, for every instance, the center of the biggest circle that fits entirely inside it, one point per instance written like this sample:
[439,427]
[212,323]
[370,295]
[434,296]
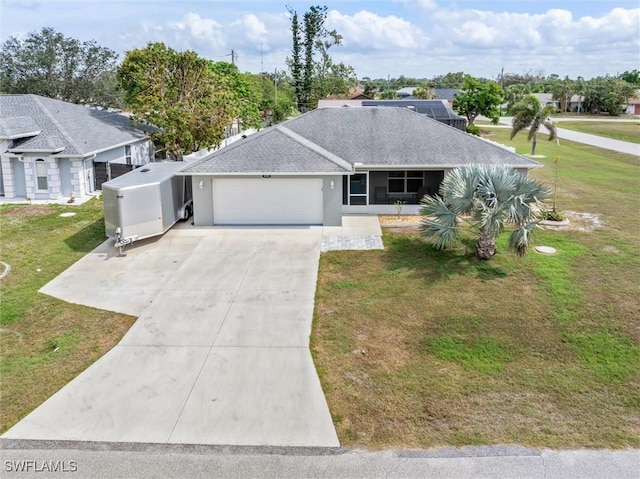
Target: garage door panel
[267,201]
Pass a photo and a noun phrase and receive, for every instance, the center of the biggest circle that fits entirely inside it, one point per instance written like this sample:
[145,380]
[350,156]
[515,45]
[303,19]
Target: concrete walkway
[588,139]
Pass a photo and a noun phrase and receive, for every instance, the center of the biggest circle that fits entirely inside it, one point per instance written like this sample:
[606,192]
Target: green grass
[484,355]
[420,348]
[46,342]
[625,131]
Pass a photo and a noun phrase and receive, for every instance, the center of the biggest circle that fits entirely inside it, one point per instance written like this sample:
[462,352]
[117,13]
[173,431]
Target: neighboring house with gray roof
[51,149]
[437,109]
[314,168]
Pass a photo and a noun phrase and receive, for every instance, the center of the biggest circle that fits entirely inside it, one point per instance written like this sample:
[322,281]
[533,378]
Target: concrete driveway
[219,354]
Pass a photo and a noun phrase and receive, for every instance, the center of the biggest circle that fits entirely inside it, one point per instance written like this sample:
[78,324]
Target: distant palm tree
[485,198]
[529,114]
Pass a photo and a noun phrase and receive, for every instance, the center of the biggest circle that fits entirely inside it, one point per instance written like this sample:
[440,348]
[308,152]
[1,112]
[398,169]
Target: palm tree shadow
[412,253]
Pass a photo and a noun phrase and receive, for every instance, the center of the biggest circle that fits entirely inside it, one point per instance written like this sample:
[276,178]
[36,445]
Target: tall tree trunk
[533,144]
[486,246]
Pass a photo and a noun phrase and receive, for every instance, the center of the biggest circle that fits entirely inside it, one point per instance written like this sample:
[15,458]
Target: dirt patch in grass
[46,342]
[579,221]
[25,210]
[389,221]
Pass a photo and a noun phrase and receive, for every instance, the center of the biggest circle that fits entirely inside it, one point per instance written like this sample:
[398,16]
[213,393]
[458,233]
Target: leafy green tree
[449,80]
[370,89]
[330,78]
[424,93]
[478,98]
[606,95]
[49,64]
[312,77]
[245,96]
[180,94]
[388,95]
[277,99]
[485,199]
[530,114]
[562,90]
[632,77]
[295,62]
[514,94]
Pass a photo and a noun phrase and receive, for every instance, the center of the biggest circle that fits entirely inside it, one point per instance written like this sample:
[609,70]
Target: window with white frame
[405,181]
[127,154]
[41,175]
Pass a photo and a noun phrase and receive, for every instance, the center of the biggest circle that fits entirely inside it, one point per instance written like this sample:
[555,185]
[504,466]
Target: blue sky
[419,38]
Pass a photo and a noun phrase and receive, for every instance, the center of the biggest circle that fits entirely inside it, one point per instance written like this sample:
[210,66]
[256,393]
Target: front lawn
[419,348]
[46,342]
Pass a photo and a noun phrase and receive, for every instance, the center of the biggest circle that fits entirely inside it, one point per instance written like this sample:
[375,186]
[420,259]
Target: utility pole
[234,56]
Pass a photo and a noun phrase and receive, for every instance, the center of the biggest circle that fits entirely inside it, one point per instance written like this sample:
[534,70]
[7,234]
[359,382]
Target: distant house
[575,102]
[446,94]
[437,109]
[354,93]
[314,168]
[633,105]
[406,91]
[51,149]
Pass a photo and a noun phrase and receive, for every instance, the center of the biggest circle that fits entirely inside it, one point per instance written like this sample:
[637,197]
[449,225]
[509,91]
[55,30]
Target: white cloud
[367,30]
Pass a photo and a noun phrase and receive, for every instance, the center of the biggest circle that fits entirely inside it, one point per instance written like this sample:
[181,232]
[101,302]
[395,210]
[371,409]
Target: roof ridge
[342,163]
[57,124]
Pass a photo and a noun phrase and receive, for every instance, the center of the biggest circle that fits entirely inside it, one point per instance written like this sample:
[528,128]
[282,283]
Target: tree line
[193,100]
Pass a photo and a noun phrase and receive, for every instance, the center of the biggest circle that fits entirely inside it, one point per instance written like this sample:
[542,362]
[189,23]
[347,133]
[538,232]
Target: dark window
[405,181]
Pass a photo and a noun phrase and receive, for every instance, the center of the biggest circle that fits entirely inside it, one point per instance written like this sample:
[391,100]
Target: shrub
[473,130]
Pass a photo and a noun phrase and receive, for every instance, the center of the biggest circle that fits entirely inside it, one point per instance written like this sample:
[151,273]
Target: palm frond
[526,193]
[519,239]
[458,189]
[438,222]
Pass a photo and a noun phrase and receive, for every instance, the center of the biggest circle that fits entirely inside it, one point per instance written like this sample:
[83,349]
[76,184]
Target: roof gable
[58,126]
[273,150]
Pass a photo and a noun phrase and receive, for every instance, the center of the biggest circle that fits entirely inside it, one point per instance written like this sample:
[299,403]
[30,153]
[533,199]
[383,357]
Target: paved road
[588,139]
[220,352]
[160,461]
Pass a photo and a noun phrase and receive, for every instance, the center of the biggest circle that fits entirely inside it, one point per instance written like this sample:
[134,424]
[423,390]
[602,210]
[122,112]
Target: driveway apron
[219,353]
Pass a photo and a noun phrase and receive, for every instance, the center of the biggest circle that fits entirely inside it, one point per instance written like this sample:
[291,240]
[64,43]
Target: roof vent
[144,170]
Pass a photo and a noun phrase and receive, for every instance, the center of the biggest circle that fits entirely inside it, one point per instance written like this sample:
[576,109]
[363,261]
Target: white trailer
[146,202]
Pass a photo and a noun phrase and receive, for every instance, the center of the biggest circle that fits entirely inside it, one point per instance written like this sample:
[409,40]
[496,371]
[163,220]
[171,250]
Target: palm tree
[529,114]
[485,198]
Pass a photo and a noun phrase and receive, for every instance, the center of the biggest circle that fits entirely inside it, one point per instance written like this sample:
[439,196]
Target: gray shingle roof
[446,93]
[18,127]
[377,137]
[270,151]
[75,129]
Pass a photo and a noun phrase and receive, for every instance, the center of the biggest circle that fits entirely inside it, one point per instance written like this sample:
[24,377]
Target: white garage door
[267,201]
